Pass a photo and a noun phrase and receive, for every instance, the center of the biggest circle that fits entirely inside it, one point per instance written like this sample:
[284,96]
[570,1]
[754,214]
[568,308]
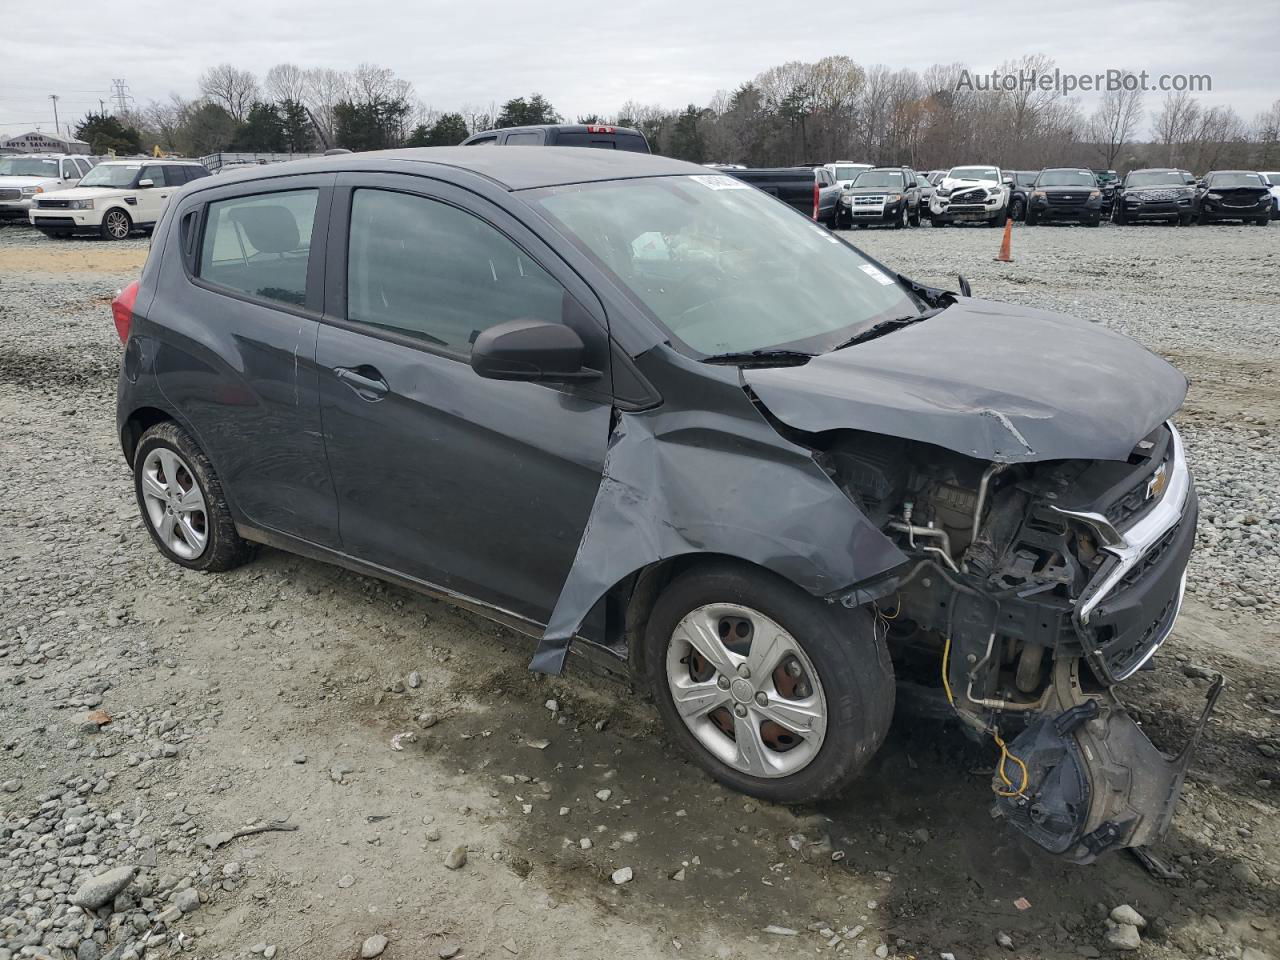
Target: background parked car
[881,195]
[599,135]
[25,176]
[926,193]
[1273,180]
[845,172]
[811,190]
[1234,195]
[974,194]
[1019,190]
[1155,194]
[1065,193]
[114,198]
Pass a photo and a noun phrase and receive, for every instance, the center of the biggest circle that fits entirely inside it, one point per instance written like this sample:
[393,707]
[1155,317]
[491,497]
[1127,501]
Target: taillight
[816,199]
[122,309]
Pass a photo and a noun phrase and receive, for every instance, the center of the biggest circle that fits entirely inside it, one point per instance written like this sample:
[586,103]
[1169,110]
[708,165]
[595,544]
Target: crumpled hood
[953,185]
[990,380]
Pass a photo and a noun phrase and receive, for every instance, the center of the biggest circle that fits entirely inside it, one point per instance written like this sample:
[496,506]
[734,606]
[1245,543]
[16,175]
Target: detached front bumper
[959,207]
[1094,781]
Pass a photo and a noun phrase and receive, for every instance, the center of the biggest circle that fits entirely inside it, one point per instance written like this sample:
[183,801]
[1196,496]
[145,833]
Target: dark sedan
[641,410]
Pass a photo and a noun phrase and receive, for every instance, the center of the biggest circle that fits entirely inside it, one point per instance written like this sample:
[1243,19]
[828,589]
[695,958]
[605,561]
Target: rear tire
[1018,208]
[852,684]
[182,502]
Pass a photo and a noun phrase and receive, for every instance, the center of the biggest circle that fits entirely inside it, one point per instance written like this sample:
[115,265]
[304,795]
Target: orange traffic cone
[1004,256]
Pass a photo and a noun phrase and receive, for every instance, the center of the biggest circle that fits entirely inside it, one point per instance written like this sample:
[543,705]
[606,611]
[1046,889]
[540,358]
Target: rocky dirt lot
[292,761]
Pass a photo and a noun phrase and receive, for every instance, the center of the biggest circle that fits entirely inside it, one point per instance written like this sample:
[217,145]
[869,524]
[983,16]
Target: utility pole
[120,94]
[56,128]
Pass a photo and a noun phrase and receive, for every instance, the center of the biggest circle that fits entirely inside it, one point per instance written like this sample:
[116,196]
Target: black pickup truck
[812,191]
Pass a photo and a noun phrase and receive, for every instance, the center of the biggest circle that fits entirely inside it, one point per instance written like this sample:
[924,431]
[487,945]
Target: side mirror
[146,182]
[530,350]
[1009,181]
[1202,184]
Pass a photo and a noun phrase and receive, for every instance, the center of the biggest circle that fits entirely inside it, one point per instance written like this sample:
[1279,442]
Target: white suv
[23,177]
[115,198]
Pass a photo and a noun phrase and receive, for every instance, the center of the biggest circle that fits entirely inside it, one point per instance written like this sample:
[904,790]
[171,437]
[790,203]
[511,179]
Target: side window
[486,142]
[425,269]
[176,175]
[155,174]
[85,166]
[259,245]
[69,170]
[516,139]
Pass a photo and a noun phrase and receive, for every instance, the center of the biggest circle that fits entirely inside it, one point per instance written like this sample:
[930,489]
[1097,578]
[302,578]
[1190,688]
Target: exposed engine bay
[1032,590]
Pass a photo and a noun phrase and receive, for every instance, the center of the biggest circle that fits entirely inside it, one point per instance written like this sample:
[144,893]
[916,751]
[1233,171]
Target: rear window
[260,245]
[608,141]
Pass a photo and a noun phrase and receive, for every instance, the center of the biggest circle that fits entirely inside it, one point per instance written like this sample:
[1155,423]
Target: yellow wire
[1005,754]
[946,683]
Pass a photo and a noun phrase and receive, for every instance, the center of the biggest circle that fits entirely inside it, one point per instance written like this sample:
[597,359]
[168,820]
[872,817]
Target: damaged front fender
[706,473]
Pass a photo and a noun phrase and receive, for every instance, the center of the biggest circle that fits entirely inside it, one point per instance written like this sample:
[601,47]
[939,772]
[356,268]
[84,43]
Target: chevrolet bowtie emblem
[1159,480]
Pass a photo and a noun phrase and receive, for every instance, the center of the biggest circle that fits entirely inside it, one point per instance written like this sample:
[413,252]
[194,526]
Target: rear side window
[517,139]
[259,245]
[430,271]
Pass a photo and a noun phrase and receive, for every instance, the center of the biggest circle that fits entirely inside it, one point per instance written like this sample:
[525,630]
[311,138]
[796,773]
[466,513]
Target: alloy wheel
[746,690]
[174,504]
[117,225]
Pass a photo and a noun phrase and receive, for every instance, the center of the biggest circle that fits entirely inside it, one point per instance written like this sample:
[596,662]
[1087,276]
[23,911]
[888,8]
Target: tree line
[831,109]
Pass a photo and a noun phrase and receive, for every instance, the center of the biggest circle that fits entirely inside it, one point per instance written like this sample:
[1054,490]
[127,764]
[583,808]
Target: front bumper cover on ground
[1094,781]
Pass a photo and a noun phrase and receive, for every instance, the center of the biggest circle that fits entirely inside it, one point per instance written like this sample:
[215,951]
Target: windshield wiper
[885,326]
[761,358]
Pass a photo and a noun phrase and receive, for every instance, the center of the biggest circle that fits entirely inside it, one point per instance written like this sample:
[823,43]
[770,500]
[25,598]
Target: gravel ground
[292,761]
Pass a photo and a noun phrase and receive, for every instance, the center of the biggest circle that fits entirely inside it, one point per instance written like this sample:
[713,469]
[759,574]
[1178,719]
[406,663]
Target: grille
[872,201]
[1122,660]
[53,204]
[969,196]
[1158,195]
[1070,199]
[10,194]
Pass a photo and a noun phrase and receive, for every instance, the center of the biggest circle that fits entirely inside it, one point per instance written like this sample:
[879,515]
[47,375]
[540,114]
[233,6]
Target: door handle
[366,381]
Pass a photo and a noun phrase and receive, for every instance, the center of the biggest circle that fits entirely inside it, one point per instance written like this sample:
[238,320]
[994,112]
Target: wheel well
[139,422]
[634,597]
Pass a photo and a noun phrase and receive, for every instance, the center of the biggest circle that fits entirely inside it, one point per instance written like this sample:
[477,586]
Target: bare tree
[323,88]
[285,81]
[1175,124]
[231,88]
[1266,134]
[1115,123]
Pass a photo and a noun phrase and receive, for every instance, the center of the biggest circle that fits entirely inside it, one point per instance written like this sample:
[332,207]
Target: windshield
[1155,178]
[723,267]
[848,173]
[111,175]
[27,167]
[1025,179]
[880,178]
[1235,180]
[1066,178]
[974,173]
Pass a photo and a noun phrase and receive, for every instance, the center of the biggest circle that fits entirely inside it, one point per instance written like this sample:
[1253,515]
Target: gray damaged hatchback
[616,400]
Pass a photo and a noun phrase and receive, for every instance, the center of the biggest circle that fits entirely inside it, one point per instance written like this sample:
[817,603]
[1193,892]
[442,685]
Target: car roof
[604,128]
[513,168]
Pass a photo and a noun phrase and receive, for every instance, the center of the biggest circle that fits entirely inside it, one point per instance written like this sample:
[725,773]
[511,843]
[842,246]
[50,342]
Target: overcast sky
[586,56]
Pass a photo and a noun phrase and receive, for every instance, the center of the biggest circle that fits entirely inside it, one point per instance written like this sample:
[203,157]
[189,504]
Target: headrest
[270,228]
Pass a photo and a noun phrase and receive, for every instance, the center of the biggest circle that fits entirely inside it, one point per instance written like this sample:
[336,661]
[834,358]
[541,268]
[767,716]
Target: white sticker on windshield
[721,182]
[877,274]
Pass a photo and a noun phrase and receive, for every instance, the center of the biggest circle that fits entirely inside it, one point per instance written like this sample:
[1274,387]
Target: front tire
[771,691]
[1018,209]
[182,502]
[116,225]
